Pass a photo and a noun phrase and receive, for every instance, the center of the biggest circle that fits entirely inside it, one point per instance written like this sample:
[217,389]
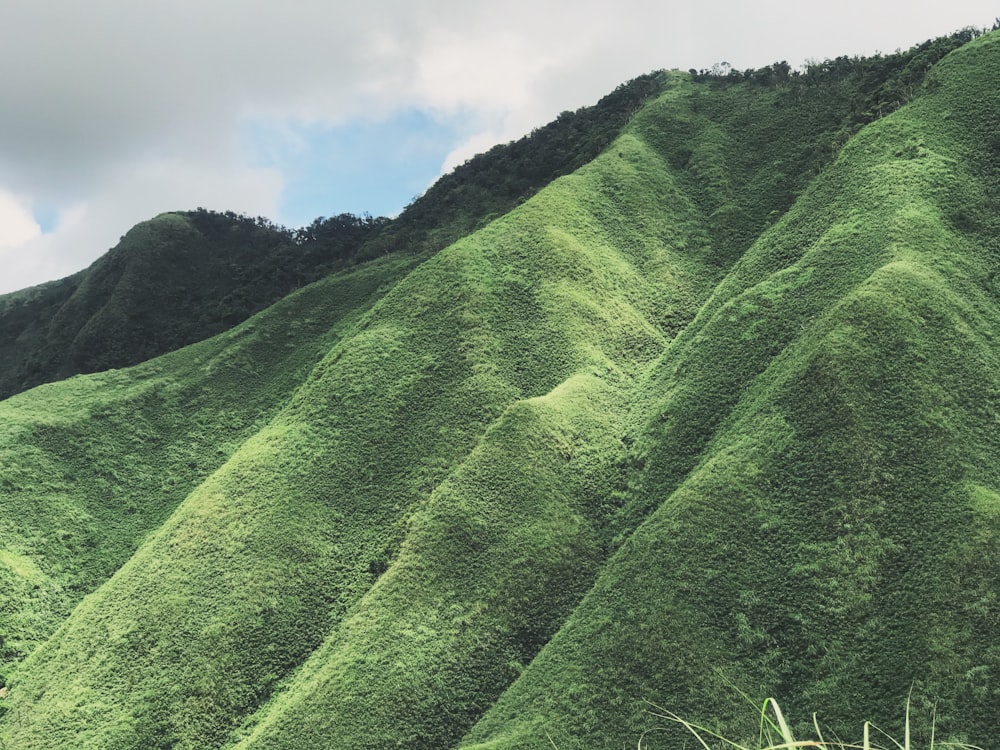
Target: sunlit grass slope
[501,551]
[708,414]
[274,552]
[91,465]
[817,483]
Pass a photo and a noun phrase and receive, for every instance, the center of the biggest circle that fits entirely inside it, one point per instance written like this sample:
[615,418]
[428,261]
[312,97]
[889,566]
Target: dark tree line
[883,82]
[492,183]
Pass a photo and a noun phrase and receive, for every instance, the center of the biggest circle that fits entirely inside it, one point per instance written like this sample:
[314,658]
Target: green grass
[802,486]
[712,410]
[775,734]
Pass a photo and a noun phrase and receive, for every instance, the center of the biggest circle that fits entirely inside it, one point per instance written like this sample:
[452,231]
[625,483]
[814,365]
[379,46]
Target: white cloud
[99,97]
[17,224]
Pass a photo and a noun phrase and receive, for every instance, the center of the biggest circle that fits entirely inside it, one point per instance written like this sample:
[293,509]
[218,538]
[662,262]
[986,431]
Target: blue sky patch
[46,216]
[358,167]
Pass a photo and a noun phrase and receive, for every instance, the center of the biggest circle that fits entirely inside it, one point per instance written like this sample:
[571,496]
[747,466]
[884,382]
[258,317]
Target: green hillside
[93,464]
[816,483]
[716,413]
[171,281]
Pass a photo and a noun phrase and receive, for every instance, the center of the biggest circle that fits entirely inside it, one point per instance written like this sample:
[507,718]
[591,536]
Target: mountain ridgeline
[687,398]
[185,276]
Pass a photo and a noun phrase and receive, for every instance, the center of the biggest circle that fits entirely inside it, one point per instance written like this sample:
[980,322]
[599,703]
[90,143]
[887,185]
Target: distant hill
[171,281]
[710,417]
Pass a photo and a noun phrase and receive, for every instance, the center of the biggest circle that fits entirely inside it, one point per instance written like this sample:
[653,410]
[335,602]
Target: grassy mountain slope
[526,511]
[709,412]
[261,561]
[93,464]
[533,536]
[818,482]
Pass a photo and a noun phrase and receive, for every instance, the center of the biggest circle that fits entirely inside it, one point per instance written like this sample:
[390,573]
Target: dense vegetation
[171,281]
[491,184]
[881,83]
[712,415]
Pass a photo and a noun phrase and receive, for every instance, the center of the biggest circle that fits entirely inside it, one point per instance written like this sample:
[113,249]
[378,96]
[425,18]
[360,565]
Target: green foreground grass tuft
[775,734]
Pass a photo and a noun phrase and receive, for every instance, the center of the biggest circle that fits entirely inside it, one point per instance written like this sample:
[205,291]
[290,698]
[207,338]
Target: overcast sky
[116,110]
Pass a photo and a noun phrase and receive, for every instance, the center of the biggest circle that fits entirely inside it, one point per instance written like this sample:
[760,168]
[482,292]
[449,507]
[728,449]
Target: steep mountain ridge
[818,465]
[383,420]
[706,414]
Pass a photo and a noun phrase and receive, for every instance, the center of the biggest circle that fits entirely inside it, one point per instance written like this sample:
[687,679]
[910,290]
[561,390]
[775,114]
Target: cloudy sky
[116,110]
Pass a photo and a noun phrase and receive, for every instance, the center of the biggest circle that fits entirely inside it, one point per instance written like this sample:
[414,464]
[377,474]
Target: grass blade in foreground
[787,740]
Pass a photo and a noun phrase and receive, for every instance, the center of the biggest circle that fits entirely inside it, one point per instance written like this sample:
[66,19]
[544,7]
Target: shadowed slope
[171,281]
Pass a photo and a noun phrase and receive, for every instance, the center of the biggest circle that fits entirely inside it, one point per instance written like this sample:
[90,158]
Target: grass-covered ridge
[714,414]
[421,387]
[93,464]
[811,475]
